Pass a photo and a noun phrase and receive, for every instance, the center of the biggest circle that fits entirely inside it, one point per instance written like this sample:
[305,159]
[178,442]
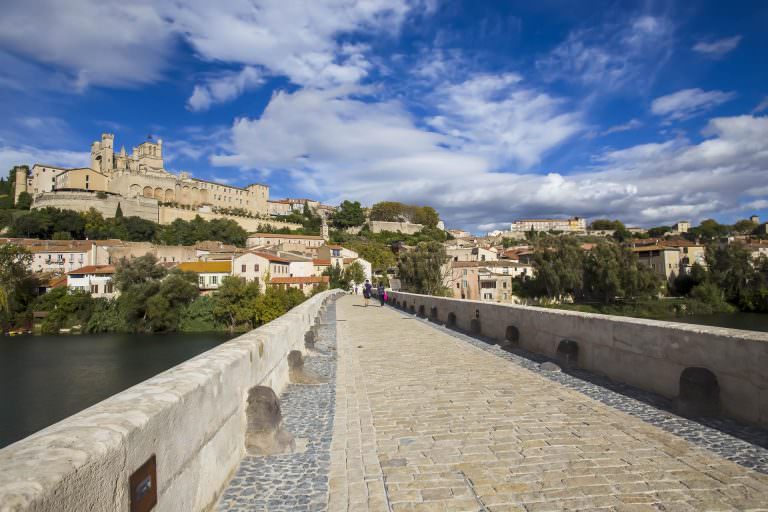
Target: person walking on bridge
[367,290]
[382,293]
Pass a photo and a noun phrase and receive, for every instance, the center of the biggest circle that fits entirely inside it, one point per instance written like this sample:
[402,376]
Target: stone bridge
[425,404]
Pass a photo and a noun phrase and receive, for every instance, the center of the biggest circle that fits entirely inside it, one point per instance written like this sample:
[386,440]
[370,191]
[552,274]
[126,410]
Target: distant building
[755,219]
[94,279]
[487,281]
[210,274]
[471,254]
[665,261]
[273,239]
[681,227]
[459,233]
[574,224]
[307,284]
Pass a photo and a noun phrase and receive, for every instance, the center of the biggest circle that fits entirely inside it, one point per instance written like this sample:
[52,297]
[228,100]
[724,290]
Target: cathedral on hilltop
[141,185]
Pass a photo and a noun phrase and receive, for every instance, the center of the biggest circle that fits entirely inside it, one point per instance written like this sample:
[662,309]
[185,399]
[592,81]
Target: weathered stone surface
[447,422]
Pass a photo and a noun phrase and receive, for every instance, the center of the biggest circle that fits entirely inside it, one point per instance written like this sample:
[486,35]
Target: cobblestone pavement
[297,481]
[427,421]
[747,445]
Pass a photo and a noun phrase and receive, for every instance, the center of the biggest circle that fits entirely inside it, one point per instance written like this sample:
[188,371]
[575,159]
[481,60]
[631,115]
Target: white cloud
[335,146]
[762,106]
[107,43]
[688,103]
[632,124]
[224,87]
[28,155]
[119,44]
[719,48]
[615,56]
[497,117]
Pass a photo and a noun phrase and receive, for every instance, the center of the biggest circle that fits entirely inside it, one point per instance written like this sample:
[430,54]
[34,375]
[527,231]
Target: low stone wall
[168,214]
[191,417]
[143,207]
[648,354]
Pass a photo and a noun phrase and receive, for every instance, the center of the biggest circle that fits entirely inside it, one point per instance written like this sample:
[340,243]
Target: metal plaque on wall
[143,487]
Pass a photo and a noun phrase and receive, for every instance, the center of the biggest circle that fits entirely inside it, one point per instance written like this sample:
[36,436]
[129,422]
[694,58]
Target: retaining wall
[192,417]
[647,354]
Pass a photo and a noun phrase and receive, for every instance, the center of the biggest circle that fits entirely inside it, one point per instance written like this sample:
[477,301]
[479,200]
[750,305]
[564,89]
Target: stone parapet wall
[647,354]
[191,417]
[169,213]
[81,201]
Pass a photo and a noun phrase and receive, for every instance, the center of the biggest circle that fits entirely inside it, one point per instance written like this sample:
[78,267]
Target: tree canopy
[422,270]
[349,214]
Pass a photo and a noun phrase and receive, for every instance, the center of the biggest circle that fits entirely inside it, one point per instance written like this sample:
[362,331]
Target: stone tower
[103,154]
[21,182]
[324,232]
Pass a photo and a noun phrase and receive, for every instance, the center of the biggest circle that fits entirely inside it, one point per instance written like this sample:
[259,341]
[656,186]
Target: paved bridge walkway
[417,418]
[426,421]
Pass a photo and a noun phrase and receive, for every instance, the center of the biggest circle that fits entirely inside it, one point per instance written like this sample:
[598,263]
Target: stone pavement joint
[424,421]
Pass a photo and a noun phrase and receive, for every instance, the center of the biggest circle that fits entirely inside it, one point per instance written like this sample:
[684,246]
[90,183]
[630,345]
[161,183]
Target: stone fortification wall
[143,207]
[168,214]
[407,228]
[191,417]
[648,354]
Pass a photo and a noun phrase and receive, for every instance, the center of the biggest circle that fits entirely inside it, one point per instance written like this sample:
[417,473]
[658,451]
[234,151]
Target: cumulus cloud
[687,103]
[718,48]
[223,87]
[28,155]
[499,118]
[106,43]
[613,56]
[119,44]
[336,146]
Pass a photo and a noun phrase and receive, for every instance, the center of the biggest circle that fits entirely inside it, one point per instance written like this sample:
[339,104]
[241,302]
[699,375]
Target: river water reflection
[44,379]
[746,321]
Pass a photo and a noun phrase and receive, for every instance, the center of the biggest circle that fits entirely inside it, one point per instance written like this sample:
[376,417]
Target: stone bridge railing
[188,425]
[707,370]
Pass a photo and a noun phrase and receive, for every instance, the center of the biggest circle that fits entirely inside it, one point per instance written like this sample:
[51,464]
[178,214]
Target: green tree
[17,284]
[137,271]
[378,254]
[606,225]
[24,201]
[354,273]
[388,211]
[349,214]
[427,216]
[336,278]
[559,269]
[175,293]
[233,303]
[118,212]
[612,272]
[423,270]
[198,315]
[659,231]
[708,229]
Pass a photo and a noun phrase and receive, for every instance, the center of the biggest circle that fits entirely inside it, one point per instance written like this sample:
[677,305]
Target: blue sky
[650,112]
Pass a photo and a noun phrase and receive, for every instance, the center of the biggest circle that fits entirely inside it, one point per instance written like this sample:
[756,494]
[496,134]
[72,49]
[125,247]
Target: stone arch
[195,196]
[185,194]
[475,327]
[405,305]
[699,393]
[135,190]
[568,352]
[512,336]
[204,196]
[412,309]
[433,313]
[169,195]
[422,311]
[159,194]
[147,192]
[451,322]
[264,433]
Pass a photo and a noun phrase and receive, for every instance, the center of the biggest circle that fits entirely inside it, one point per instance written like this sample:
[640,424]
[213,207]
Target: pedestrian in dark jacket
[367,292]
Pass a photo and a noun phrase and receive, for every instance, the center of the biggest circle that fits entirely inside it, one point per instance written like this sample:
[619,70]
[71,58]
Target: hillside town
[79,225]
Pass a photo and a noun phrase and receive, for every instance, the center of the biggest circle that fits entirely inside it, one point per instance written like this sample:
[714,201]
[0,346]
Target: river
[44,379]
